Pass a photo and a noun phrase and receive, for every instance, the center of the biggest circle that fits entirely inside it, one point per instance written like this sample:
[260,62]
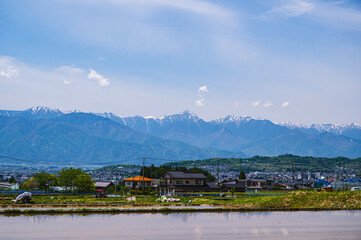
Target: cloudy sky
[284,60]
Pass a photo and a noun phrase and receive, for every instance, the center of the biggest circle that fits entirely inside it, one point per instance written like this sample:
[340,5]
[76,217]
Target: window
[179,182]
[198,181]
[187,182]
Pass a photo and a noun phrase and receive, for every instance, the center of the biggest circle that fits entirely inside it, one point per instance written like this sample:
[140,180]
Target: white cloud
[196,6]
[102,81]
[138,20]
[70,74]
[267,104]
[236,104]
[45,87]
[329,13]
[256,103]
[200,102]
[293,9]
[285,104]
[9,72]
[203,89]
[7,68]
[191,6]
[336,14]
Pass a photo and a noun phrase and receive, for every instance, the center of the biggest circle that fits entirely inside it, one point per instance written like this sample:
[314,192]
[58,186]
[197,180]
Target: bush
[135,192]
[147,191]
[125,189]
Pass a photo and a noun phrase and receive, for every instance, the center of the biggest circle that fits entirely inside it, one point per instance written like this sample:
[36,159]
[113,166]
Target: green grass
[265,200]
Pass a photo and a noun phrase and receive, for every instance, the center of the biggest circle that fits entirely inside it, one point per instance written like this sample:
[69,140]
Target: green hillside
[278,163]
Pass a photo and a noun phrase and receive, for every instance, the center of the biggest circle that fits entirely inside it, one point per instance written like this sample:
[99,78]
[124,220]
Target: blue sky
[294,60]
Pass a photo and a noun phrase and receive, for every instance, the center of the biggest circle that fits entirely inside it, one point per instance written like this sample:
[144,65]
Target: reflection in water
[255,225]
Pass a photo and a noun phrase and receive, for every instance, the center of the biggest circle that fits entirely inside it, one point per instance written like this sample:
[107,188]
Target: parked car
[355,189]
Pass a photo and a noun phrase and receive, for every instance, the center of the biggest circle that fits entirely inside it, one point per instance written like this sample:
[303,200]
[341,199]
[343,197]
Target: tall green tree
[45,180]
[67,177]
[242,175]
[84,183]
[29,184]
[12,180]
[75,179]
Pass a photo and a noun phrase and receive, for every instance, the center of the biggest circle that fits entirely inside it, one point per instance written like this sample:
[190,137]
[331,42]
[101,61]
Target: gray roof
[232,185]
[211,185]
[102,184]
[182,175]
[5,184]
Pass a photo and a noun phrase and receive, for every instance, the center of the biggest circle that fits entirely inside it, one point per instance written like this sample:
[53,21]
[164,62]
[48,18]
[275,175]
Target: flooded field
[255,225]
[112,207]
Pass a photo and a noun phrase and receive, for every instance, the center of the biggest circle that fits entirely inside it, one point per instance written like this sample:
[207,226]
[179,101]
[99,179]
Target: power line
[25,160]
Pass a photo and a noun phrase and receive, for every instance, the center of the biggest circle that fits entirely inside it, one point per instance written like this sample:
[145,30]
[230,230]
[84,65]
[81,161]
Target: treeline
[156,172]
[71,179]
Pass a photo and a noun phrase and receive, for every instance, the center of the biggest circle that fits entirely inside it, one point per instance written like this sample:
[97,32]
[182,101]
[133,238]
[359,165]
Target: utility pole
[115,186]
[120,190]
[143,174]
[293,176]
[218,174]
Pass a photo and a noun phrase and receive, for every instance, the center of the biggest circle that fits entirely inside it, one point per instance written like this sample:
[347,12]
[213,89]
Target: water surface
[251,225]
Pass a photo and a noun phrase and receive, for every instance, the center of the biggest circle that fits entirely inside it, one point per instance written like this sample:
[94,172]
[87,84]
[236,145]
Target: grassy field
[267,200]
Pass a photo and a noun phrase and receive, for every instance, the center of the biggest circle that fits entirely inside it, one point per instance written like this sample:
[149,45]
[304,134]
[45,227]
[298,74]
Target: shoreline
[160,209]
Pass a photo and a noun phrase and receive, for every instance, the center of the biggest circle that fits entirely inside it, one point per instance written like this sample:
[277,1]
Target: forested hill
[278,163]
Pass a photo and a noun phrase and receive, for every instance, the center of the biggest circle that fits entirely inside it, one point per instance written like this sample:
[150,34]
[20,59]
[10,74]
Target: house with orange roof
[137,182]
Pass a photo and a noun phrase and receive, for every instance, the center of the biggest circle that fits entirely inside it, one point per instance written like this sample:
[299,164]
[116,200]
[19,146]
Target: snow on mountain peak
[235,119]
[182,116]
[292,125]
[43,109]
[188,113]
[106,115]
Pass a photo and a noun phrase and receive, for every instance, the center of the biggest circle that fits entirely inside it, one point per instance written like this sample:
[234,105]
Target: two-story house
[178,181]
[240,185]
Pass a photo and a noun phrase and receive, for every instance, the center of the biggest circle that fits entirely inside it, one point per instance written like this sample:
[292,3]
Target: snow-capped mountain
[34,113]
[292,125]
[336,128]
[253,136]
[235,134]
[352,130]
[88,138]
[44,112]
[235,119]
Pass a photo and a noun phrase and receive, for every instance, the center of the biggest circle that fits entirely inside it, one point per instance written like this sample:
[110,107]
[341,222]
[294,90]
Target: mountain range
[53,135]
